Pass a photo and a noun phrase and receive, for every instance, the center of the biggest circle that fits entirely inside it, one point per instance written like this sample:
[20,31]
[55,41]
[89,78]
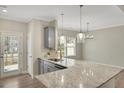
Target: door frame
[20,65]
[30,53]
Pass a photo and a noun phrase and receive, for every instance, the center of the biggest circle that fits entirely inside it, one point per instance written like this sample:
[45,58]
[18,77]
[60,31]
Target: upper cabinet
[49,37]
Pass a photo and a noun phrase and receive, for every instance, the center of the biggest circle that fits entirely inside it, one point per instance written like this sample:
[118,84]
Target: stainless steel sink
[55,59]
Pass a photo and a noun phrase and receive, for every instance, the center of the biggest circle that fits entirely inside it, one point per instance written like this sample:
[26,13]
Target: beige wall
[9,25]
[106,47]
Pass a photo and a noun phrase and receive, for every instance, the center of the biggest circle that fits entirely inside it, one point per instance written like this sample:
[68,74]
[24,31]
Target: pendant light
[4,8]
[88,35]
[62,37]
[81,35]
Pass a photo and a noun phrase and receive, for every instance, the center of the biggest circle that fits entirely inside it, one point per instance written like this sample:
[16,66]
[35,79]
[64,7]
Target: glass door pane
[10,53]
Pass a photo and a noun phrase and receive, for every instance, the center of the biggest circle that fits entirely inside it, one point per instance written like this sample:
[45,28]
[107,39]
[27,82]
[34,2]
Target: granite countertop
[64,62]
[80,73]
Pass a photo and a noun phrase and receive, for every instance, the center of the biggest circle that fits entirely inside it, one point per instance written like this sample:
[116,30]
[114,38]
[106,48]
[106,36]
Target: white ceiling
[98,16]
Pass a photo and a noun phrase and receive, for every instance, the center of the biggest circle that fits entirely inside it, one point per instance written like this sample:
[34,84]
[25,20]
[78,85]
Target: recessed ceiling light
[4,11]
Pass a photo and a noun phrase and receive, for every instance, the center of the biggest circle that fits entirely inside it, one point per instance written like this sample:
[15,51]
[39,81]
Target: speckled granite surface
[79,73]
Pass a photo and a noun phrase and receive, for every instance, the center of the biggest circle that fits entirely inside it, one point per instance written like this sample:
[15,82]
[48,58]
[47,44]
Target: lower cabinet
[46,66]
[49,67]
[41,67]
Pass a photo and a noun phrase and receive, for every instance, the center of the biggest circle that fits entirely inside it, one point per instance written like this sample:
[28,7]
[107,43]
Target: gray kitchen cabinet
[46,66]
[41,66]
[49,67]
[49,37]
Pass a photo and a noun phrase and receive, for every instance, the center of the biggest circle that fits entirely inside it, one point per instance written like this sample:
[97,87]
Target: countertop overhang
[79,73]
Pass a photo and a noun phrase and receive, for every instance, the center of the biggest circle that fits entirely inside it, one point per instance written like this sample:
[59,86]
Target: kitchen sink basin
[55,59]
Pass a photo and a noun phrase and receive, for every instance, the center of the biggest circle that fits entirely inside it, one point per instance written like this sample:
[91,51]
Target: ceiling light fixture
[4,11]
[81,35]
[88,35]
[4,8]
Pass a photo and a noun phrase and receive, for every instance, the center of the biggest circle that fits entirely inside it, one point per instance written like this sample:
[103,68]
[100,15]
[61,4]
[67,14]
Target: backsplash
[49,53]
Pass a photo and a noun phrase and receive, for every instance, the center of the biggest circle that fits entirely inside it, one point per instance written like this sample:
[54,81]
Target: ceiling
[99,16]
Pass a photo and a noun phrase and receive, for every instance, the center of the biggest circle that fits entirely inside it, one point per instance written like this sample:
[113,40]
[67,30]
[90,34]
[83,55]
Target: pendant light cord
[81,18]
[62,22]
[87,27]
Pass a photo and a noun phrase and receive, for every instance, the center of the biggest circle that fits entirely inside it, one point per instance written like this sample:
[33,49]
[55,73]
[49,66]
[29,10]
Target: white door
[30,63]
[10,53]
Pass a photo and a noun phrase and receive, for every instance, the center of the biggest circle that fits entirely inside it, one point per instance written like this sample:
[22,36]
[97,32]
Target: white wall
[106,47]
[9,25]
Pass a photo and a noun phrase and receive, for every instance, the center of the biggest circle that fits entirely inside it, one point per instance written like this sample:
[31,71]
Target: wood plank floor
[20,81]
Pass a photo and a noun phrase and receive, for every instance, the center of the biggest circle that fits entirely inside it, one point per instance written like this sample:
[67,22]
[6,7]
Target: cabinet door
[45,68]
[51,37]
[41,67]
[50,68]
[46,35]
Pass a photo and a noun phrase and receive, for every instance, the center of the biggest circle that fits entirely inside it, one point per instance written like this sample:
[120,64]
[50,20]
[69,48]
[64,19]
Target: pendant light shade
[88,35]
[81,36]
[62,37]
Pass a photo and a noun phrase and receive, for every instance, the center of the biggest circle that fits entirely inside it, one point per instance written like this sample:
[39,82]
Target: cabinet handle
[48,69]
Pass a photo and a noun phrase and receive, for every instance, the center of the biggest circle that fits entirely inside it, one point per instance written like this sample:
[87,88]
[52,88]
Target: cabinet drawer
[49,64]
[50,67]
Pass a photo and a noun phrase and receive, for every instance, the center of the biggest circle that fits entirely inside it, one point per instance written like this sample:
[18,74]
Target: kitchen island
[80,73]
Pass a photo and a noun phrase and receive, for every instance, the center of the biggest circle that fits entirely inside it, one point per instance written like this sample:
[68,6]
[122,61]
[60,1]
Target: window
[68,46]
[71,46]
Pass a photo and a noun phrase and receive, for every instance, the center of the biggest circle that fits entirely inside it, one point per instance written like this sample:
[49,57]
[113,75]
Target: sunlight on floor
[11,67]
